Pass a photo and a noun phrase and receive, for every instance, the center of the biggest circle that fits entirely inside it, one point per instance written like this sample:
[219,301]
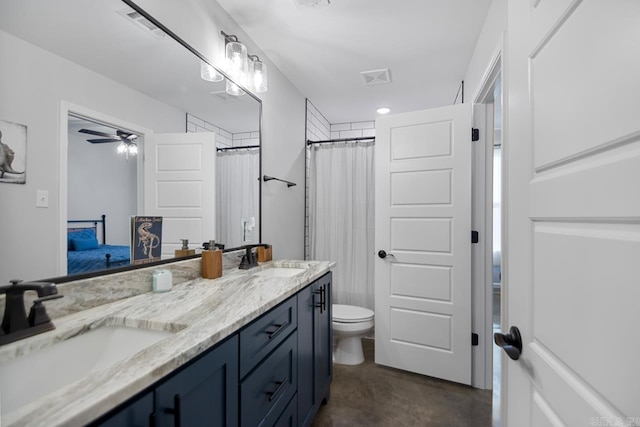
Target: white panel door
[423,221]
[179,185]
[573,213]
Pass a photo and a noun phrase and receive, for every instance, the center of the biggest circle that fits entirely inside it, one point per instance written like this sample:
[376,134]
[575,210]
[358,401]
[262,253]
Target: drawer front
[263,335]
[266,392]
[289,417]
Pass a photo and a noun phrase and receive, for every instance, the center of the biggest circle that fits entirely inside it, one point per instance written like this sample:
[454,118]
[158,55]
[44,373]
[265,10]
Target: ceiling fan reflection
[126,139]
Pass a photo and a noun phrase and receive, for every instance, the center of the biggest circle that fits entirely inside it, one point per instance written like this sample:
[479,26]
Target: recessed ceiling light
[383,110]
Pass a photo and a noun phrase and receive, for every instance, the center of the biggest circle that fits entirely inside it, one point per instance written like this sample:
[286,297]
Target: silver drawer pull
[281,384]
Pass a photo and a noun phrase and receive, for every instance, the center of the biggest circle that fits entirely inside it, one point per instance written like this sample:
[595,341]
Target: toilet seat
[351,314]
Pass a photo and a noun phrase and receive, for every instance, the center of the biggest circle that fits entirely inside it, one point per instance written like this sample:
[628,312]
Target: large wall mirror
[123,82]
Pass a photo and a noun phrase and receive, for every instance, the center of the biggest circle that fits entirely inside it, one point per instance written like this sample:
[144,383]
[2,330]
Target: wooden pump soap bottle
[211,262]
[184,251]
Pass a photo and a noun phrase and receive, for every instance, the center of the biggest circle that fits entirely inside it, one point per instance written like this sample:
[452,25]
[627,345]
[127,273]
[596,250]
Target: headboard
[75,225]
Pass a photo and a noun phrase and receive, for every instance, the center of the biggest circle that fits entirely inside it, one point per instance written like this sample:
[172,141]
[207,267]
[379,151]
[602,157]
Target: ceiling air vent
[223,96]
[376,77]
[311,3]
[142,22]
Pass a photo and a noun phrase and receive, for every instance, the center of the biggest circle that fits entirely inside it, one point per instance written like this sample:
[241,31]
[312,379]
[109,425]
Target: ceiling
[426,44]
[98,35]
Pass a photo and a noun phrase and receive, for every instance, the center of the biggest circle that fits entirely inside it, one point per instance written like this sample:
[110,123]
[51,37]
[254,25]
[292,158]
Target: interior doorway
[496,242]
[88,178]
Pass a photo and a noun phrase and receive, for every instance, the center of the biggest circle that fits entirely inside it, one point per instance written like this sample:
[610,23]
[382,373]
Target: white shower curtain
[341,217]
[237,197]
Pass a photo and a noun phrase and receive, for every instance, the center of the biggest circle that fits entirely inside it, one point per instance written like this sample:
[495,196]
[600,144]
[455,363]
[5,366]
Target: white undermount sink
[280,272]
[41,372]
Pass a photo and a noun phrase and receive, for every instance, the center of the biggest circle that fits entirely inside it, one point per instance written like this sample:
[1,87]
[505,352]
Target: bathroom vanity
[250,348]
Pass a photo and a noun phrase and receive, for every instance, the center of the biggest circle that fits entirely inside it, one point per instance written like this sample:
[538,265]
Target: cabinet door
[134,413]
[323,361]
[306,301]
[204,393]
[314,348]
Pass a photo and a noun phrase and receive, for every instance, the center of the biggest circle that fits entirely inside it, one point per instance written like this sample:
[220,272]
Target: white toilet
[350,325]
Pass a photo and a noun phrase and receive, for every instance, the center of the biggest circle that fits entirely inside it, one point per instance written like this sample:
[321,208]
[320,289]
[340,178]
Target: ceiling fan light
[133,149]
[122,148]
[210,74]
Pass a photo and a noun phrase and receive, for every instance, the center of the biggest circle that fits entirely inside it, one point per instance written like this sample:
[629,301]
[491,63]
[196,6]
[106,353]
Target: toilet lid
[350,313]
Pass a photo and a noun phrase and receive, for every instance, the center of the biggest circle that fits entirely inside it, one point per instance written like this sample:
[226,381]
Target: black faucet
[250,259]
[15,323]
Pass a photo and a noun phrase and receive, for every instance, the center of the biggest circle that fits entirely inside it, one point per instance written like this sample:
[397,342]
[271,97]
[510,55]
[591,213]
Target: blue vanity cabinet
[203,393]
[136,413]
[266,391]
[269,365]
[275,371]
[314,348]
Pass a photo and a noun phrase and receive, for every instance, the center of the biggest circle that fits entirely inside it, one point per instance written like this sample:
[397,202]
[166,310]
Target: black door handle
[382,254]
[511,342]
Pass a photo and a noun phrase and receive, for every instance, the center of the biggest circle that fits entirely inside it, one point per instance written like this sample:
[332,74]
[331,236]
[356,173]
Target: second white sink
[280,272]
[29,377]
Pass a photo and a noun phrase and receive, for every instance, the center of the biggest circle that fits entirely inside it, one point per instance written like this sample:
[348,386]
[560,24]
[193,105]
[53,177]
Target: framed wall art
[13,153]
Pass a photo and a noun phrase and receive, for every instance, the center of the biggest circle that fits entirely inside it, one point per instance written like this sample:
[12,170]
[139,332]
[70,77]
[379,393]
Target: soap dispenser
[211,262]
[185,251]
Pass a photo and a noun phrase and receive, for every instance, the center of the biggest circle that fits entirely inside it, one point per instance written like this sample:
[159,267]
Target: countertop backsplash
[88,293]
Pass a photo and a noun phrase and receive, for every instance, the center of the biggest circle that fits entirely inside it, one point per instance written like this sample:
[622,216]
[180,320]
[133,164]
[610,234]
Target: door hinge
[475,134]
[474,236]
[474,339]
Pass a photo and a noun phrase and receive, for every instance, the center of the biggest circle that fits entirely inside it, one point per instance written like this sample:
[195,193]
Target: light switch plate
[42,199]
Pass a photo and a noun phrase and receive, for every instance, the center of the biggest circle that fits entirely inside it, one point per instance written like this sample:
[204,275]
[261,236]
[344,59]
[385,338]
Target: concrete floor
[373,395]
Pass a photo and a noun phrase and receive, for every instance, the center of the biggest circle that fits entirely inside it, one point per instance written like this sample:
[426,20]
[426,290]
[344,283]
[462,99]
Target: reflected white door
[179,185]
[423,221]
[573,213]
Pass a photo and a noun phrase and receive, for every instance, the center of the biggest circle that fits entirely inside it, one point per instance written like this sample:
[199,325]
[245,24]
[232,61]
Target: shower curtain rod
[239,147]
[329,141]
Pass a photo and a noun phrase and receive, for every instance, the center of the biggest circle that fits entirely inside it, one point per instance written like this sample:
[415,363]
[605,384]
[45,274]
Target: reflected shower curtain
[341,218]
[237,197]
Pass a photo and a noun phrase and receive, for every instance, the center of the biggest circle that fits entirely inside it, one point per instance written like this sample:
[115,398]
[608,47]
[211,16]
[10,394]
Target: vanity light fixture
[237,64]
[244,69]
[383,110]
[258,74]
[210,74]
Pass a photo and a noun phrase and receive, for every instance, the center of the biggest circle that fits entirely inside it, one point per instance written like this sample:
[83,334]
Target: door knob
[383,254]
[511,343]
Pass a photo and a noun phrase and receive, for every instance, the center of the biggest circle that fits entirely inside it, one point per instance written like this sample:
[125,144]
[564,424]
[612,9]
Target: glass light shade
[133,149]
[234,89]
[122,148]
[210,74]
[237,67]
[258,75]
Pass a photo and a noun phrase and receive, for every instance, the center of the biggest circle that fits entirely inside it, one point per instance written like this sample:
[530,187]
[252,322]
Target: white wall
[199,22]
[489,42]
[33,84]
[101,181]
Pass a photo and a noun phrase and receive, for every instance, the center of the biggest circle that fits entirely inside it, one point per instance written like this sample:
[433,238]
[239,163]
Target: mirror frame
[175,37]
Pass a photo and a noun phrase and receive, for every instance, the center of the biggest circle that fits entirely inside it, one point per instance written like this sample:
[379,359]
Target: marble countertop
[201,312]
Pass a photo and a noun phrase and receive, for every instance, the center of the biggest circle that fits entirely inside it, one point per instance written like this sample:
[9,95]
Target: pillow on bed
[80,244]
[87,233]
